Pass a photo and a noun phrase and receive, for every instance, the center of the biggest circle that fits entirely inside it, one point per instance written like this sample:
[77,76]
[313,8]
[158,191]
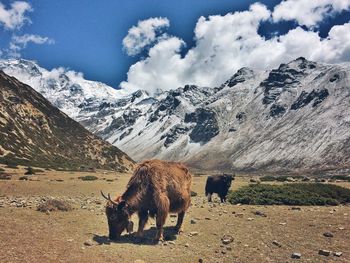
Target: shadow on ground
[148,237]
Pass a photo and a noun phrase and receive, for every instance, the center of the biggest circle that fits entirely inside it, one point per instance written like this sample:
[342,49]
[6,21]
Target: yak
[155,189]
[218,184]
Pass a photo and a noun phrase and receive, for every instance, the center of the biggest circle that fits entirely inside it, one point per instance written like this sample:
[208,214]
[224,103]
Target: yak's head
[118,217]
[228,178]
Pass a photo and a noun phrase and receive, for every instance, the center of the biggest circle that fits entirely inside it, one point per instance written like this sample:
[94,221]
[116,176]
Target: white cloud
[224,44]
[308,12]
[15,17]
[18,43]
[144,34]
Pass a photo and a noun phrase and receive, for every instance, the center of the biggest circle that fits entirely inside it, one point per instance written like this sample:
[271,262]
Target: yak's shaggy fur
[155,189]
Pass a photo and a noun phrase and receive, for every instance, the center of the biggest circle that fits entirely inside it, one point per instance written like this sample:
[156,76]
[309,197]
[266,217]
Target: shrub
[267,178]
[29,171]
[54,205]
[5,176]
[88,178]
[282,178]
[291,194]
[341,177]
[12,166]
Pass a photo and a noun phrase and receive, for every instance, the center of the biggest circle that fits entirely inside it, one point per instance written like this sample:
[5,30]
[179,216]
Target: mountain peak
[36,133]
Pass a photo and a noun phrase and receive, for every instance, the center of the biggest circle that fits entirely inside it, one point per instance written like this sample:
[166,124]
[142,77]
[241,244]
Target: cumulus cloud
[18,43]
[308,13]
[15,17]
[224,44]
[144,34]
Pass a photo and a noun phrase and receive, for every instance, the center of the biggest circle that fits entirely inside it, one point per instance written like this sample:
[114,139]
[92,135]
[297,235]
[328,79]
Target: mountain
[34,132]
[292,118]
[65,89]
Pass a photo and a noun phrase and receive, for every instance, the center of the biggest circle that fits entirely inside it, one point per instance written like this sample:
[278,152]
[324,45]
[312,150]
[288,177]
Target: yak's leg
[209,197]
[180,219]
[160,221]
[143,217]
[162,213]
[223,198]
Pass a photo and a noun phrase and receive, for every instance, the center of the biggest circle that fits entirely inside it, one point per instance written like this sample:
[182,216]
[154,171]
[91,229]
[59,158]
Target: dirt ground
[27,235]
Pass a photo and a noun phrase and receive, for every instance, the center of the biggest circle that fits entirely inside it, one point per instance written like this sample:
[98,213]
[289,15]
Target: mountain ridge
[33,132]
[290,118]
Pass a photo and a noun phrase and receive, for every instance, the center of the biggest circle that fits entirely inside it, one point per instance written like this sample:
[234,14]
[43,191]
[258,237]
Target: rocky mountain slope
[33,132]
[295,117]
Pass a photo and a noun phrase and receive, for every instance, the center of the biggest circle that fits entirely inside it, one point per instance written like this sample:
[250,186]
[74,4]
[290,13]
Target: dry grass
[60,237]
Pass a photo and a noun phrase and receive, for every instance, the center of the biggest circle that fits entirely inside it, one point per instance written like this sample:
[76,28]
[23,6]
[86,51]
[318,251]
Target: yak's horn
[108,198]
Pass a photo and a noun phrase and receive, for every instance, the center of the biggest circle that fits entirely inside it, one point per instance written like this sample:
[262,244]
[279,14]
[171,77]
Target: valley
[79,235]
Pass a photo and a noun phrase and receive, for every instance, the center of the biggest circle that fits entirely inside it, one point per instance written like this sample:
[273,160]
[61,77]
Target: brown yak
[155,189]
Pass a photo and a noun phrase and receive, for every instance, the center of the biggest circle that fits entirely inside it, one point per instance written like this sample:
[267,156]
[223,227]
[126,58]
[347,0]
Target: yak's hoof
[138,240]
[179,231]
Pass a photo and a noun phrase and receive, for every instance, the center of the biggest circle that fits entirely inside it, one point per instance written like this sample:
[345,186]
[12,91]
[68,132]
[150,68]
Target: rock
[193,233]
[296,255]
[328,234]
[296,208]
[227,239]
[283,223]
[276,243]
[88,243]
[338,254]
[260,213]
[250,219]
[200,260]
[70,240]
[341,228]
[324,252]
[193,221]
[229,248]
[171,243]
[239,215]
[33,178]
[207,218]
[187,245]
[254,180]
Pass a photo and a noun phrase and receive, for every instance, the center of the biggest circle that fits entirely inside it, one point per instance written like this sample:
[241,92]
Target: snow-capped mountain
[295,117]
[65,89]
[35,133]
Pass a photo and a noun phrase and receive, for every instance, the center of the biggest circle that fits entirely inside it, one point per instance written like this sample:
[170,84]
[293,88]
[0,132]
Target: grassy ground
[27,235]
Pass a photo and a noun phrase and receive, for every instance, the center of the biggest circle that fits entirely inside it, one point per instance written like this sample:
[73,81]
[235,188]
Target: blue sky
[87,36]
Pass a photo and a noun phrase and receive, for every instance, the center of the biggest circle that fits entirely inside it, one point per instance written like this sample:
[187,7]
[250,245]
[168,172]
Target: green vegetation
[88,178]
[12,166]
[29,171]
[291,194]
[283,178]
[341,177]
[267,178]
